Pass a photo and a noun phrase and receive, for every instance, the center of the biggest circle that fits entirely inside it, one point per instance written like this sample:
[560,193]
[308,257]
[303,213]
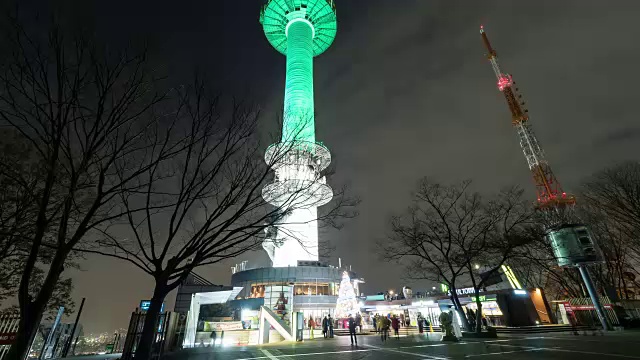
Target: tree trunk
[478,311]
[31,313]
[27,329]
[150,328]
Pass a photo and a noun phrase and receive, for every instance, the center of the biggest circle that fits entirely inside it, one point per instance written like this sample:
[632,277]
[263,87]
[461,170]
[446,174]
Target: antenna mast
[549,191]
[573,244]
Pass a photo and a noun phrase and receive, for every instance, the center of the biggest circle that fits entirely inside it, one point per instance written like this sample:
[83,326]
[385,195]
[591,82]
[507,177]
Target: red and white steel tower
[549,191]
[573,244]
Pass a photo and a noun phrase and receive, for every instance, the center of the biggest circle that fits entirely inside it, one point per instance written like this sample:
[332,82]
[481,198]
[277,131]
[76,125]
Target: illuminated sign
[7,338]
[146,304]
[223,326]
[463,291]
[484,298]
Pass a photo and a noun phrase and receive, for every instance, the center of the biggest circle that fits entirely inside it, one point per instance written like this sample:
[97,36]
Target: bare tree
[509,220]
[614,193]
[205,204]
[84,112]
[611,205]
[18,211]
[426,238]
[449,230]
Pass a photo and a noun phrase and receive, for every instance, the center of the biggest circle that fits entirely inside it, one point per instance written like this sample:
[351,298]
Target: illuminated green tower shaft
[299,29]
[299,120]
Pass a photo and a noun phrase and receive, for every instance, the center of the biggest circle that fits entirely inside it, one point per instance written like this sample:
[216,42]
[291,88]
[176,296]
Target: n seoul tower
[300,30]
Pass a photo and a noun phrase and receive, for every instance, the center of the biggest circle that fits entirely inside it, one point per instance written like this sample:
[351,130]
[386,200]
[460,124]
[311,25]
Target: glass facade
[307,280]
[314,291]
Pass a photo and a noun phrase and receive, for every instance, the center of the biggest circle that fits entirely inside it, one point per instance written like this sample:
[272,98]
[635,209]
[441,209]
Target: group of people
[382,325]
[327,326]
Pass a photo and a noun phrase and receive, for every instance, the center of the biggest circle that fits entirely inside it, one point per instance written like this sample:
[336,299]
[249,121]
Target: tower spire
[549,191]
[299,29]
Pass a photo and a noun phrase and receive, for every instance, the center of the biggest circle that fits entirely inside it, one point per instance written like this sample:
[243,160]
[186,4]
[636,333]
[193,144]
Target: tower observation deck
[299,29]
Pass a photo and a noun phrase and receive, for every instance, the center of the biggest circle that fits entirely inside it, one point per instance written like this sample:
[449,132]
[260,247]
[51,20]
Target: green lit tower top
[299,29]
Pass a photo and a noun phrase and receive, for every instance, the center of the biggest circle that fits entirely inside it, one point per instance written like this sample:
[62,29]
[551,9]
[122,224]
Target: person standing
[312,325]
[427,325]
[352,330]
[375,320]
[384,324]
[213,336]
[395,324]
[325,327]
[420,324]
[330,326]
[359,322]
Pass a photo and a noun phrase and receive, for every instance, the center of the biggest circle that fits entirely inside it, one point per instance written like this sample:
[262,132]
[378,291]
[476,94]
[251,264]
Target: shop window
[257,291]
[311,289]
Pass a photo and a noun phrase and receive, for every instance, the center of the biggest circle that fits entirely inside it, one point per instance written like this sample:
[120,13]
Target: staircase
[413,330]
[267,319]
[539,329]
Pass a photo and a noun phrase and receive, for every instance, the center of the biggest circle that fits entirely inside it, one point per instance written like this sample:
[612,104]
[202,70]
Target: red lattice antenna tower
[550,193]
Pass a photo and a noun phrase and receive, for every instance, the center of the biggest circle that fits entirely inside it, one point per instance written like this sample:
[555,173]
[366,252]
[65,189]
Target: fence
[165,338]
[580,311]
[8,330]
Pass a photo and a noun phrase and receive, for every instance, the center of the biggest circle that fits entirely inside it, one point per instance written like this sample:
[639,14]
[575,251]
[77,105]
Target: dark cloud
[404,92]
[622,135]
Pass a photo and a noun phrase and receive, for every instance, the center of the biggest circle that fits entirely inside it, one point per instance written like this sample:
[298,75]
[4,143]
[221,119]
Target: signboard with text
[484,298]
[223,326]
[146,304]
[7,338]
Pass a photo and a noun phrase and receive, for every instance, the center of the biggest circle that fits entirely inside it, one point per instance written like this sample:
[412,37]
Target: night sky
[404,92]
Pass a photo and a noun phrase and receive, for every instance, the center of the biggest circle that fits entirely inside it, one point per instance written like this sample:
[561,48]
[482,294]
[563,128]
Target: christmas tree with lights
[347,302]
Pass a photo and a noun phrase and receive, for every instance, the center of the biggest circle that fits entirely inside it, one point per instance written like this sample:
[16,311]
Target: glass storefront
[308,281]
[490,310]
[430,313]
[303,288]
[310,288]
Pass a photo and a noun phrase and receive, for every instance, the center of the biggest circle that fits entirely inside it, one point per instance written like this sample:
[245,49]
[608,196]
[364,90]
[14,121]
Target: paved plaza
[616,345]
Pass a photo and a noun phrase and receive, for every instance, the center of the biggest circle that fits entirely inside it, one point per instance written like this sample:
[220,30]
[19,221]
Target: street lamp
[477,266]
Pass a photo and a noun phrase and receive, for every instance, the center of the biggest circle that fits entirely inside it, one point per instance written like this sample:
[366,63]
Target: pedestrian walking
[375,321]
[359,322]
[213,337]
[384,329]
[330,326]
[395,324]
[312,325]
[325,327]
[420,324]
[352,330]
